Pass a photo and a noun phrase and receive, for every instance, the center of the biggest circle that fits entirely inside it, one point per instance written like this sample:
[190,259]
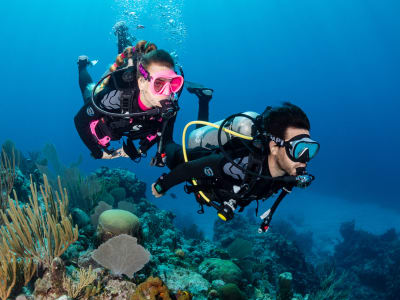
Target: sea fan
[122,255]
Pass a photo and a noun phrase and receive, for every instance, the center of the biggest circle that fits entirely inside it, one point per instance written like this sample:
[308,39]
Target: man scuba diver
[136,99]
[239,163]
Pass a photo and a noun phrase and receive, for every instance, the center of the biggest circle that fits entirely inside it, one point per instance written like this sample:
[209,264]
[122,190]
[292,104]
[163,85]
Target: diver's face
[147,97]
[283,163]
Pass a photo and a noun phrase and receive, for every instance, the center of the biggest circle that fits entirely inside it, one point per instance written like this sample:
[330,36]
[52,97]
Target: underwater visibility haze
[336,239]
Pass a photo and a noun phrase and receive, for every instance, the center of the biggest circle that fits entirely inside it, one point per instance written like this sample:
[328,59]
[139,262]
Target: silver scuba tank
[206,136]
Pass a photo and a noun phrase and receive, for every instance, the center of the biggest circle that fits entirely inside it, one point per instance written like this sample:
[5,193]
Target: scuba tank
[207,136]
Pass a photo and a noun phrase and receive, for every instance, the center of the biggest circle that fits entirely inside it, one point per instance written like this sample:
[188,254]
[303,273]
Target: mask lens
[159,84]
[176,84]
[302,147]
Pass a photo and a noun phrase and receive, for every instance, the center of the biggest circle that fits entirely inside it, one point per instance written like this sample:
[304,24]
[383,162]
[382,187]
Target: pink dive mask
[163,82]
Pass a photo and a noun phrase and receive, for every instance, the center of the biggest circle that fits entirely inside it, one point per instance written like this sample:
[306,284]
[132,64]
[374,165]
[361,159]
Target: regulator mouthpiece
[303,181]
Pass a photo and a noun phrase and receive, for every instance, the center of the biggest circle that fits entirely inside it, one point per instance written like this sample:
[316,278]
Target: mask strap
[280,142]
[144,72]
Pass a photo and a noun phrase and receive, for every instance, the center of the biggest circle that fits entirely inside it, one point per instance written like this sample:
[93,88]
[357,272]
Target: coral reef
[8,271]
[82,279]
[178,279]
[272,254]
[285,286]
[122,255]
[151,289]
[332,287]
[120,178]
[116,289]
[50,286]
[7,174]
[372,261]
[237,264]
[114,222]
[36,233]
[230,291]
[216,268]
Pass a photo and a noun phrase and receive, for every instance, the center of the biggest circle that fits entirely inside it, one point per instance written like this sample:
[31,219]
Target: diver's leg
[174,154]
[85,80]
[204,95]
[173,151]
[123,36]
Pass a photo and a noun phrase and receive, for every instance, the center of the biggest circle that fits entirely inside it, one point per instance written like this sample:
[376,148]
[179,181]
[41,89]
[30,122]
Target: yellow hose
[212,125]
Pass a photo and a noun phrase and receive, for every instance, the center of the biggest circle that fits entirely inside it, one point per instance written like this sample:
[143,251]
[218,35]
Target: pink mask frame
[173,82]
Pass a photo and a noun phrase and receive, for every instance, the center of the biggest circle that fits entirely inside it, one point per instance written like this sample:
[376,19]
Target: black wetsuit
[145,128]
[218,177]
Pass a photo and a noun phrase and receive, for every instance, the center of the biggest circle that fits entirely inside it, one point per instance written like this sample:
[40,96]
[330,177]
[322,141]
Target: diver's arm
[82,123]
[168,132]
[206,167]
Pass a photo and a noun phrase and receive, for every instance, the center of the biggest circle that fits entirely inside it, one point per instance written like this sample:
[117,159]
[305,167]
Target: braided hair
[141,48]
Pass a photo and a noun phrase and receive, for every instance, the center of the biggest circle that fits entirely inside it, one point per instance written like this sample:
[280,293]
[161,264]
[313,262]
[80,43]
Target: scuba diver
[136,99]
[246,157]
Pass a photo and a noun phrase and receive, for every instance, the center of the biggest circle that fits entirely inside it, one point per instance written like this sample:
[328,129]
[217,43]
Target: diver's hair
[278,119]
[142,47]
[160,57]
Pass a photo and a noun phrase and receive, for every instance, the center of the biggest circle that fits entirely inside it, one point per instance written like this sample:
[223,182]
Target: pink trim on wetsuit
[141,105]
[105,140]
[151,137]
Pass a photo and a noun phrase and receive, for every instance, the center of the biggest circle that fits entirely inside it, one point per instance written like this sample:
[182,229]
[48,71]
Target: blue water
[338,60]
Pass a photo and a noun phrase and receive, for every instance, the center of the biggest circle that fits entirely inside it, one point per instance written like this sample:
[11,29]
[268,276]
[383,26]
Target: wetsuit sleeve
[206,167]
[169,130]
[82,120]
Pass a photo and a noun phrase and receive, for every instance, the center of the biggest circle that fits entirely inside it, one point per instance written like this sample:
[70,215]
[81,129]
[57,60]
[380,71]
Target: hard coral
[50,286]
[226,270]
[183,295]
[230,291]
[180,253]
[114,222]
[152,289]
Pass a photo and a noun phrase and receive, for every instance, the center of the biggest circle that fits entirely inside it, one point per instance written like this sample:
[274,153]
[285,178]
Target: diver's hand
[154,191]
[121,152]
[117,153]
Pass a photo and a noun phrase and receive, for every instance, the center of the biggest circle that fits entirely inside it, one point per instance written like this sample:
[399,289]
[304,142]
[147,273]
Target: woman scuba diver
[232,167]
[136,99]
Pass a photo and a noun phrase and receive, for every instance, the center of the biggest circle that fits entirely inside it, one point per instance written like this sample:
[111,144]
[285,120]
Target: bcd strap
[130,150]
[122,123]
[188,188]
[126,101]
[255,164]
[257,208]
[147,142]
[195,188]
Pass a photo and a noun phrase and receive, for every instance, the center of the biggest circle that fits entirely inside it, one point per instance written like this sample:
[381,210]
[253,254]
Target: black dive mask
[300,148]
